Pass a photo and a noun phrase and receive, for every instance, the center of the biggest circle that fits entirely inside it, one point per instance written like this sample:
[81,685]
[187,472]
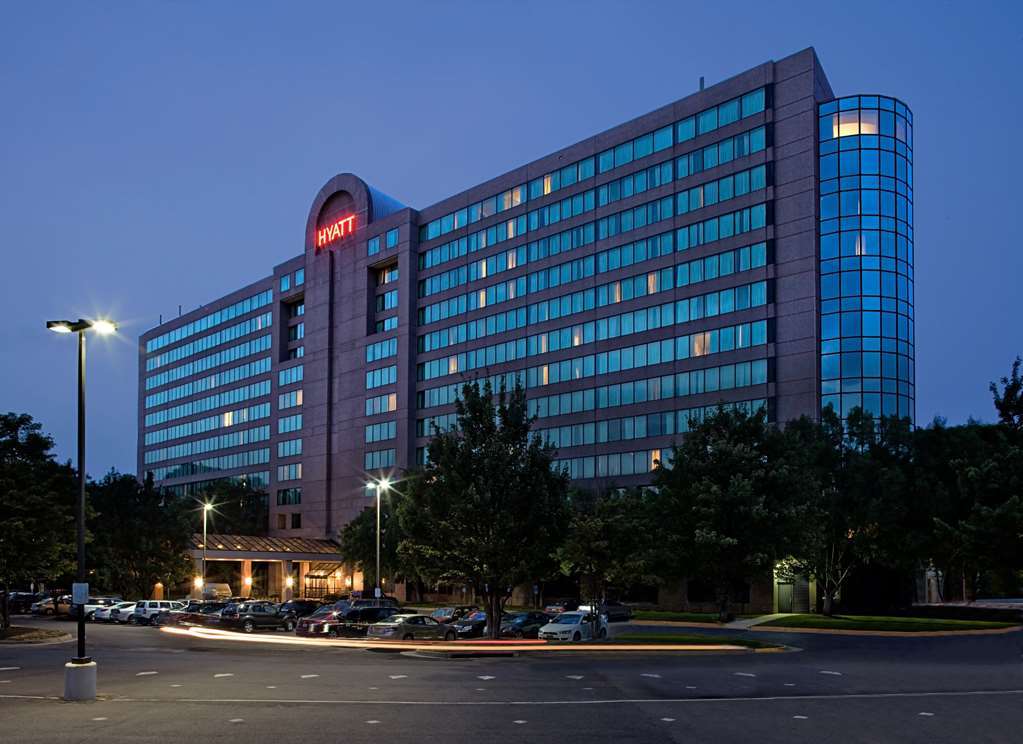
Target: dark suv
[251,616]
[347,623]
[295,609]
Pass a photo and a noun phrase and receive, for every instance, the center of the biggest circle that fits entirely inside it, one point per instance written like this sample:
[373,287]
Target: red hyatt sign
[338,229]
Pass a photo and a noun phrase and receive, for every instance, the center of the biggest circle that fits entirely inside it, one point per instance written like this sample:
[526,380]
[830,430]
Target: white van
[147,609]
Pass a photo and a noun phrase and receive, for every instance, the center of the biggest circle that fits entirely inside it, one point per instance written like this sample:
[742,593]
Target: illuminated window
[845,123]
[452,365]
[482,297]
[577,336]
[651,282]
[545,374]
[546,184]
[655,455]
[228,418]
[868,122]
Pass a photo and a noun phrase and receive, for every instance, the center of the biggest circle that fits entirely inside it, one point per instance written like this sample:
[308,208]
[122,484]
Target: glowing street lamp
[383,484]
[206,509]
[74,690]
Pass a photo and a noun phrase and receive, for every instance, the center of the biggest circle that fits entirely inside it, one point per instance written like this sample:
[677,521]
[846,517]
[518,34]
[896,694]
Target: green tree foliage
[358,542]
[488,509]
[239,509]
[1009,399]
[139,536]
[606,544]
[37,505]
[722,505]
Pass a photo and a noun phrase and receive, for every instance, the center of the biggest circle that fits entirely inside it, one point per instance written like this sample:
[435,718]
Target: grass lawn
[685,617]
[875,622]
[17,633]
[702,640]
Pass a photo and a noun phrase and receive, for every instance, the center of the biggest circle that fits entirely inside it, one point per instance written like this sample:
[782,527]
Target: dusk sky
[164,154]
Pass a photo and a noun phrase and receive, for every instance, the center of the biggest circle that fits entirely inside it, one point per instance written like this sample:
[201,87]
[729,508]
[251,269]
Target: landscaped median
[21,634]
[701,618]
[881,624]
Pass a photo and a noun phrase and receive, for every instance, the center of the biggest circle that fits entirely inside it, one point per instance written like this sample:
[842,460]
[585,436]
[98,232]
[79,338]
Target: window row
[381,404]
[387,301]
[854,283]
[289,448]
[209,403]
[379,377]
[616,463]
[223,420]
[224,356]
[211,464]
[379,459]
[297,279]
[386,324]
[866,364]
[381,432]
[289,496]
[289,472]
[290,399]
[288,424]
[215,339]
[218,379]
[474,213]
[387,275]
[743,335]
[445,394]
[290,376]
[258,481]
[390,241]
[202,446]
[256,301]
[381,350]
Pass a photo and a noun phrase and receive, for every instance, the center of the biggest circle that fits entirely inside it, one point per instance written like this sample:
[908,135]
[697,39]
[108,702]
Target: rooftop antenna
[179,311]
[701,82]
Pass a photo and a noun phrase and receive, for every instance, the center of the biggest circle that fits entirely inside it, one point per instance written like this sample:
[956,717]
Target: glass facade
[866,256]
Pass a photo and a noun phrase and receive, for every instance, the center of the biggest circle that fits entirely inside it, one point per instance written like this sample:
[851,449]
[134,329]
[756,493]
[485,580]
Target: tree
[606,540]
[357,541]
[37,504]
[239,509]
[489,508]
[721,502]
[1009,400]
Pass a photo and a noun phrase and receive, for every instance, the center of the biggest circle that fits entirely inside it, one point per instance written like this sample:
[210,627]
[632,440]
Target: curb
[888,633]
[62,638]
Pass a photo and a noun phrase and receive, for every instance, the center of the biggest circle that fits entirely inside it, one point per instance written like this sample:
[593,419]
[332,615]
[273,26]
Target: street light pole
[81,686]
[380,485]
[82,578]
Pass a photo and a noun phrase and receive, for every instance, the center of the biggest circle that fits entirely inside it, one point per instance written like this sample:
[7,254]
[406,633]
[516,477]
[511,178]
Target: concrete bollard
[80,681]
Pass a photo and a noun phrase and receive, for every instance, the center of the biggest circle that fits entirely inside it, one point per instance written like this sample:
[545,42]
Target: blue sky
[163,154]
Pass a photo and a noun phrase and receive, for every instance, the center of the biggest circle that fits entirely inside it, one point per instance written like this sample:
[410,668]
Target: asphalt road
[160,688]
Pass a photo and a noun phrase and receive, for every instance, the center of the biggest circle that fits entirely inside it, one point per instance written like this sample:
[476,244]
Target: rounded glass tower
[866,256]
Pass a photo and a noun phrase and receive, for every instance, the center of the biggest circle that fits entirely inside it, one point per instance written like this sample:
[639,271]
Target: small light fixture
[289,582]
[104,327]
[59,326]
[248,581]
[198,582]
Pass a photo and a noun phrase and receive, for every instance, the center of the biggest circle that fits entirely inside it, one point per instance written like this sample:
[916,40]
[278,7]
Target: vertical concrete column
[275,579]
[246,589]
[300,587]
[196,591]
[287,592]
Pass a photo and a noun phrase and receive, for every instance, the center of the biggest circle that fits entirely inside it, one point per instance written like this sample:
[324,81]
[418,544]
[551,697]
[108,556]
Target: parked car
[351,623]
[295,609]
[521,624]
[95,603]
[122,613]
[471,626]
[251,616]
[410,628]
[145,610]
[614,610]
[202,612]
[452,614]
[384,601]
[102,614]
[20,603]
[557,606]
[573,626]
[52,606]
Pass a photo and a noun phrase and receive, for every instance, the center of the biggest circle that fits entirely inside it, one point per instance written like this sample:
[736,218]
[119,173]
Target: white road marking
[145,674]
[833,674]
[652,676]
[9,669]
[398,676]
[480,689]
[924,713]
[587,688]
[573,676]
[100,718]
[668,720]
[271,687]
[222,674]
[5,681]
[745,674]
[237,720]
[309,676]
[690,687]
[790,684]
[372,722]
[484,677]
[175,685]
[800,718]
[520,721]
[374,688]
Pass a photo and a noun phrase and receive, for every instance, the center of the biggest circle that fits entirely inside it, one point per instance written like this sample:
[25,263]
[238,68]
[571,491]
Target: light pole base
[80,681]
